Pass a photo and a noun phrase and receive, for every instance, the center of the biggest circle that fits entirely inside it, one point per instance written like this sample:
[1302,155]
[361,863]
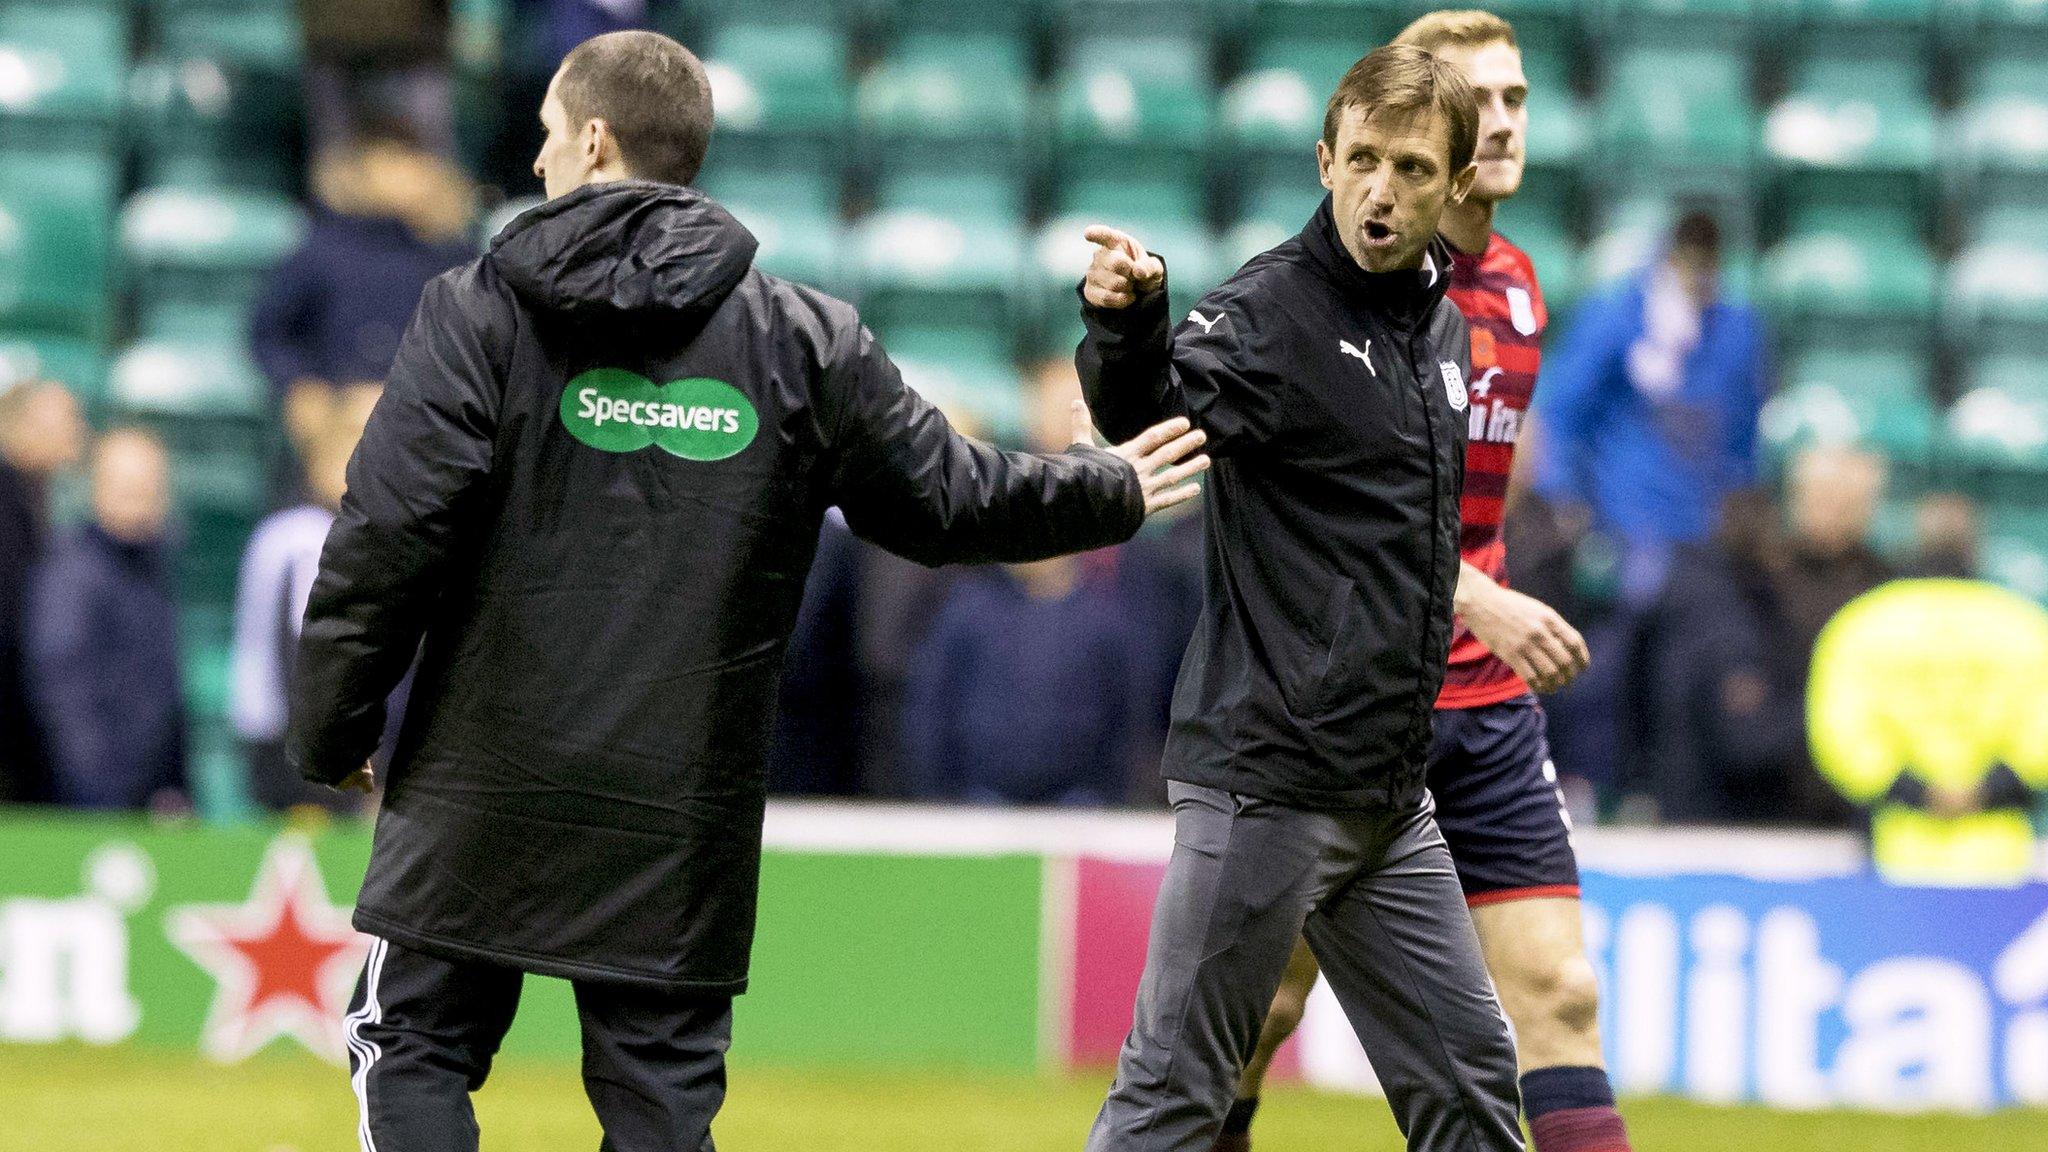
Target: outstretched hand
[1160,456]
[1121,269]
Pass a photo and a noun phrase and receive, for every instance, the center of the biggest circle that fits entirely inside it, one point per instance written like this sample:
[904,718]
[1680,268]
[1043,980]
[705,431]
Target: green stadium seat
[2016,562]
[1860,265]
[1112,125]
[260,36]
[2003,122]
[968,371]
[775,85]
[1897,21]
[56,240]
[1541,229]
[1856,115]
[61,73]
[948,101]
[2002,21]
[1998,282]
[1560,128]
[179,381]
[1080,21]
[1683,111]
[197,119]
[919,267]
[1348,26]
[2001,421]
[1724,24]
[196,258]
[804,246]
[1849,395]
[79,365]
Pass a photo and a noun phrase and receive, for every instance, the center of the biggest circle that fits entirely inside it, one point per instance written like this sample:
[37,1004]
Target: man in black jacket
[593,487]
[1329,373]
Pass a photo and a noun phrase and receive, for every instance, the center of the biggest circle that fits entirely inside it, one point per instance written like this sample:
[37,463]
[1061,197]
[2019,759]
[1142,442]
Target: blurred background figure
[276,577]
[371,59]
[1925,709]
[1647,418]
[1034,685]
[391,216]
[42,433]
[102,640]
[1948,538]
[1728,646]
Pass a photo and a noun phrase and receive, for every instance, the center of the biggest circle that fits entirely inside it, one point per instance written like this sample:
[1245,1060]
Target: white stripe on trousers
[366,1052]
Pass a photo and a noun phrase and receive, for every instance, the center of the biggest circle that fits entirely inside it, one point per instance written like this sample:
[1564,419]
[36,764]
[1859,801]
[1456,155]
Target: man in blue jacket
[1647,419]
[102,643]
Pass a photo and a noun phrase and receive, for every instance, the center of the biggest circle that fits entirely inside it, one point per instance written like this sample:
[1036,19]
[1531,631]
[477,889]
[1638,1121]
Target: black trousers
[422,1031]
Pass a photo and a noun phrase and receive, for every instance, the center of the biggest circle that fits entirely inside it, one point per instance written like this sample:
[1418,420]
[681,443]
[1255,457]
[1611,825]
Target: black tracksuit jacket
[593,488]
[1334,400]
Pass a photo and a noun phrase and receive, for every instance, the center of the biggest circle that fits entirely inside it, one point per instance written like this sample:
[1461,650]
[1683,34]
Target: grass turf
[72,1099]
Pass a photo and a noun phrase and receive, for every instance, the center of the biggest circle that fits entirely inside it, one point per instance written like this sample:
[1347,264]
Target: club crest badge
[1454,383]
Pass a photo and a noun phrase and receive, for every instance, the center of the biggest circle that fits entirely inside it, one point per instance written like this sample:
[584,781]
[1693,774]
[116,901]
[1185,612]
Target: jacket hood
[1408,296]
[625,248]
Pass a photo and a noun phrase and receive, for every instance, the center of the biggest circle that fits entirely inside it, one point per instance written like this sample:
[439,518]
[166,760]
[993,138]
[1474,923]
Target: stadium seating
[196,257]
[56,233]
[1842,395]
[61,69]
[1844,269]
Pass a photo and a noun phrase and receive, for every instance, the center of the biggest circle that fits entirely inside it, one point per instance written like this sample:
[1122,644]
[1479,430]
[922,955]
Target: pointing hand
[1121,269]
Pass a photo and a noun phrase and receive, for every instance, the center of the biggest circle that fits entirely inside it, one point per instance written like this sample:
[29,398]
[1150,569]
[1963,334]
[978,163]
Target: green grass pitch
[75,1099]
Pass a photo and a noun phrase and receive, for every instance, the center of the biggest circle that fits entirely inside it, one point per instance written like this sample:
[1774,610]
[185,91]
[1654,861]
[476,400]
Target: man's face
[1495,71]
[1389,179]
[569,153]
[131,490]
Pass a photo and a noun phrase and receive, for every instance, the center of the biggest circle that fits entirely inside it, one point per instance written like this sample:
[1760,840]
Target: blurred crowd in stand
[1702,574]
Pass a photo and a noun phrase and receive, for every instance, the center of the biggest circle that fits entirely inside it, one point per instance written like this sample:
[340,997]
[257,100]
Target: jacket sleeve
[413,488]
[1135,371]
[64,668]
[906,481]
[1568,405]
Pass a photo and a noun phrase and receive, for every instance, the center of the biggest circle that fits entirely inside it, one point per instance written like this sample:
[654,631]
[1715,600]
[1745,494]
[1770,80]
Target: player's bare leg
[1536,951]
[1537,954]
[1281,1020]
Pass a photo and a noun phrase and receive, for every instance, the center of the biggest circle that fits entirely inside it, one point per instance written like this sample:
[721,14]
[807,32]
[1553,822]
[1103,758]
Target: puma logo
[1364,356]
[1207,322]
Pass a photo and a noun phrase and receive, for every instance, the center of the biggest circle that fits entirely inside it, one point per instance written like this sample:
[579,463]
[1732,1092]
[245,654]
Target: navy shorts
[1498,803]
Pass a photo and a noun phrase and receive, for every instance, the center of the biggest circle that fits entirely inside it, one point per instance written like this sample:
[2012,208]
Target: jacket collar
[1407,297]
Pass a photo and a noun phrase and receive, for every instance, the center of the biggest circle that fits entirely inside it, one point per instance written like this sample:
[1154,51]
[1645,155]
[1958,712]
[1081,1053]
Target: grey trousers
[1376,897]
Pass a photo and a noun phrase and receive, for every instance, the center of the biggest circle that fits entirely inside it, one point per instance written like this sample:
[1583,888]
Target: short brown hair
[1404,78]
[1457,28]
[653,94]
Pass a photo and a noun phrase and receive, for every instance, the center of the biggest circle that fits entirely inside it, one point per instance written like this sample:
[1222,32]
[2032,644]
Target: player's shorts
[1498,803]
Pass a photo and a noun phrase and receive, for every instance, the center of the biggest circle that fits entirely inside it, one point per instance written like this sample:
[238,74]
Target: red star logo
[282,961]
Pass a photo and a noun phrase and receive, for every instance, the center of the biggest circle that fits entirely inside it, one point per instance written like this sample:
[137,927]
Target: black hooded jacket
[592,488]
[1334,400]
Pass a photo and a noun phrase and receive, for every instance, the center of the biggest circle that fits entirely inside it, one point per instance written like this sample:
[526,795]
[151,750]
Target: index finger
[1117,239]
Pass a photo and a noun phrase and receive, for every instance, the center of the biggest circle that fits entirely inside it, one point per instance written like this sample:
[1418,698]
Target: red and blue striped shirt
[1497,292]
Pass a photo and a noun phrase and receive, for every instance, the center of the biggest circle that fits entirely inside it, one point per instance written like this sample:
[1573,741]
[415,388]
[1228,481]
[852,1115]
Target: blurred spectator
[378,58]
[1926,709]
[1023,692]
[1947,537]
[41,433]
[1035,684]
[1647,417]
[102,640]
[1726,688]
[1730,645]
[277,575]
[839,712]
[392,216]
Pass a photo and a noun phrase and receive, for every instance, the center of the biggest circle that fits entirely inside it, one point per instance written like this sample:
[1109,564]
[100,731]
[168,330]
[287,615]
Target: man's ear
[1323,158]
[1461,184]
[596,134]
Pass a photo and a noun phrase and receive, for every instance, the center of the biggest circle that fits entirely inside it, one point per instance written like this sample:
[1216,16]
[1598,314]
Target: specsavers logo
[615,410]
